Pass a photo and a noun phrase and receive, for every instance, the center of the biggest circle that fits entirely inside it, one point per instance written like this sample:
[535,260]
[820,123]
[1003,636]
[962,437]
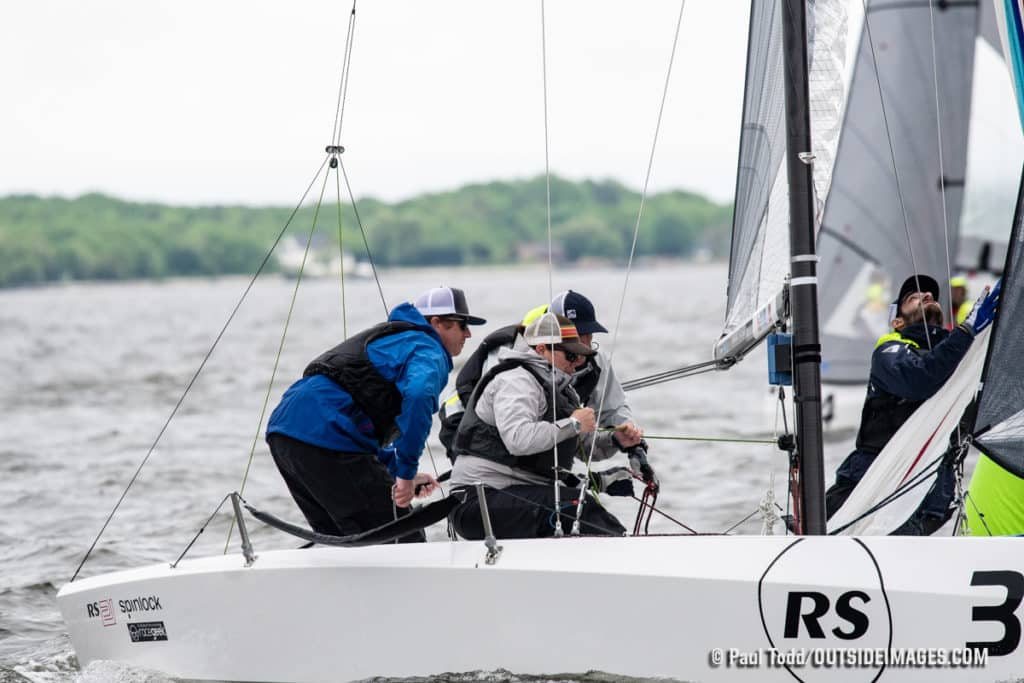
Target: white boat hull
[645,607]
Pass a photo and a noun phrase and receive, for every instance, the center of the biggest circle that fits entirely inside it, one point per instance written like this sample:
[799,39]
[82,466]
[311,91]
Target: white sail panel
[922,439]
[759,261]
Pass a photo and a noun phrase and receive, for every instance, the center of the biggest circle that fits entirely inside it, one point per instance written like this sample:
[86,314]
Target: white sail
[759,259]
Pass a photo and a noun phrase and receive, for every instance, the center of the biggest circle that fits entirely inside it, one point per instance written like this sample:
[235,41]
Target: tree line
[97,237]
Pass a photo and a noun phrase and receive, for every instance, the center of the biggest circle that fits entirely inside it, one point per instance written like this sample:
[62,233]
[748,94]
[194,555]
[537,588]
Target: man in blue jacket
[908,366]
[347,437]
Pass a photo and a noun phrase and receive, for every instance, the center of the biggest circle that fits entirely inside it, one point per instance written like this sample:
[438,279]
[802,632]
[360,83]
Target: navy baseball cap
[579,310]
[448,302]
[918,283]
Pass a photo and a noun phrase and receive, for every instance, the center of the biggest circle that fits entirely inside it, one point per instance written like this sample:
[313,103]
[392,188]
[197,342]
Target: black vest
[884,414]
[473,369]
[476,437]
[586,378]
[348,365]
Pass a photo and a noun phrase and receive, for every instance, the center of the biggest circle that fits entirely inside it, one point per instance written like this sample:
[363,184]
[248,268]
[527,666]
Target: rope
[981,515]
[280,351]
[199,533]
[723,439]
[636,235]
[741,521]
[202,365]
[899,492]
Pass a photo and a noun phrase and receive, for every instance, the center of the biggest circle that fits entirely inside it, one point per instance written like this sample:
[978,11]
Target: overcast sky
[213,101]
[228,101]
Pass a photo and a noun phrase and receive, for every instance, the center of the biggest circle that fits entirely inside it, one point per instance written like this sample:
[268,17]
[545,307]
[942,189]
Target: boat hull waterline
[699,608]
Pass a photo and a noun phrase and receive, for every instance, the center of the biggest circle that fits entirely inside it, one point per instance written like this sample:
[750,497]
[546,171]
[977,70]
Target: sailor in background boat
[961,307]
[347,437]
[509,437]
[593,376]
[907,367]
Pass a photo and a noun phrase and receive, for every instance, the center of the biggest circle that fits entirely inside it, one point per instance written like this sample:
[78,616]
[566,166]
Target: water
[92,372]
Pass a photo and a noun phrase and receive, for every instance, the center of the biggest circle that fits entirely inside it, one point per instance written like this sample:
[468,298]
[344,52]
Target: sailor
[509,439]
[961,307]
[347,437]
[593,376]
[908,366]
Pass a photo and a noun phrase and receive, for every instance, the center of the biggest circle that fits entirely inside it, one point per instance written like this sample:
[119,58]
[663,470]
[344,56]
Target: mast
[803,262]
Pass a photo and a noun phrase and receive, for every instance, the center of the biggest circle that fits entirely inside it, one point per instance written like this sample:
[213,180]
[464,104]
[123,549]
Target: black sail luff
[999,425]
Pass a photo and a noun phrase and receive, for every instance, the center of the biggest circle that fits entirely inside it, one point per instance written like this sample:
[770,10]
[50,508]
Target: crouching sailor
[347,437]
[510,438]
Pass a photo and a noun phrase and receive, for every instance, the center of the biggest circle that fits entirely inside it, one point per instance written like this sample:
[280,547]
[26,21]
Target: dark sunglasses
[570,356]
[463,325]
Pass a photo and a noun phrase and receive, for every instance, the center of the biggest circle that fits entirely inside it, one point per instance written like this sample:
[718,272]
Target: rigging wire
[341,256]
[632,249]
[346,64]
[892,154]
[280,351]
[339,115]
[202,365]
[362,231]
[942,171]
[551,266]
[677,373]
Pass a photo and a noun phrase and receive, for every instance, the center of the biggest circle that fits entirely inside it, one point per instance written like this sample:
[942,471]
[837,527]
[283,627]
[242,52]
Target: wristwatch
[576,426]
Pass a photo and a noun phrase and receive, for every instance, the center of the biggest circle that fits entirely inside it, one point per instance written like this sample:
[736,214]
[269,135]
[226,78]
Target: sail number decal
[1003,613]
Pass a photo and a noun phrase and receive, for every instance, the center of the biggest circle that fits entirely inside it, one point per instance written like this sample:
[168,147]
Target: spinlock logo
[139,604]
[103,609]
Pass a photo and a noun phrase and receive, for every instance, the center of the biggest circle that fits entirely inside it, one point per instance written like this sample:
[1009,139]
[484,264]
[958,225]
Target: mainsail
[759,260]
[883,217]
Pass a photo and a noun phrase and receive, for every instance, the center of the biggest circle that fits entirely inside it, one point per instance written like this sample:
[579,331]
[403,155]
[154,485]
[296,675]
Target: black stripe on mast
[803,295]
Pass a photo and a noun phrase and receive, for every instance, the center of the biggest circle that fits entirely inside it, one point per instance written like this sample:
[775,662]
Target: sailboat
[707,608]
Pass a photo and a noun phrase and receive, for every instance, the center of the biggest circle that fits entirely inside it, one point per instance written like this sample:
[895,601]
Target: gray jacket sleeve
[512,402]
[614,410]
[605,448]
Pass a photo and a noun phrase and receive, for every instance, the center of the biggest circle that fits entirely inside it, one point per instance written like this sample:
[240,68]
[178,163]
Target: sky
[222,101]
[233,102]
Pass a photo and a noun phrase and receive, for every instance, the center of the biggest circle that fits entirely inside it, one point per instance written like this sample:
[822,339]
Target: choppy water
[92,372]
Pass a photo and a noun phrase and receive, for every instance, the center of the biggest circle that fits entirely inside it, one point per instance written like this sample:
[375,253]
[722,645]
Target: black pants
[529,512]
[339,493]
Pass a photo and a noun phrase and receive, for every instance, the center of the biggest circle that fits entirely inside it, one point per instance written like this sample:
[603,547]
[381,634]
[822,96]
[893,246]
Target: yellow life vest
[896,336]
[963,311]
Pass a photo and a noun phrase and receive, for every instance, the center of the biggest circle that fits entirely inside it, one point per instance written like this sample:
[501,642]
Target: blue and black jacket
[904,374]
[374,393]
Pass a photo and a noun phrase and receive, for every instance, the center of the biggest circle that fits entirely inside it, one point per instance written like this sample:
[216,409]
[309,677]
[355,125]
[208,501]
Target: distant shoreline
[100,238]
